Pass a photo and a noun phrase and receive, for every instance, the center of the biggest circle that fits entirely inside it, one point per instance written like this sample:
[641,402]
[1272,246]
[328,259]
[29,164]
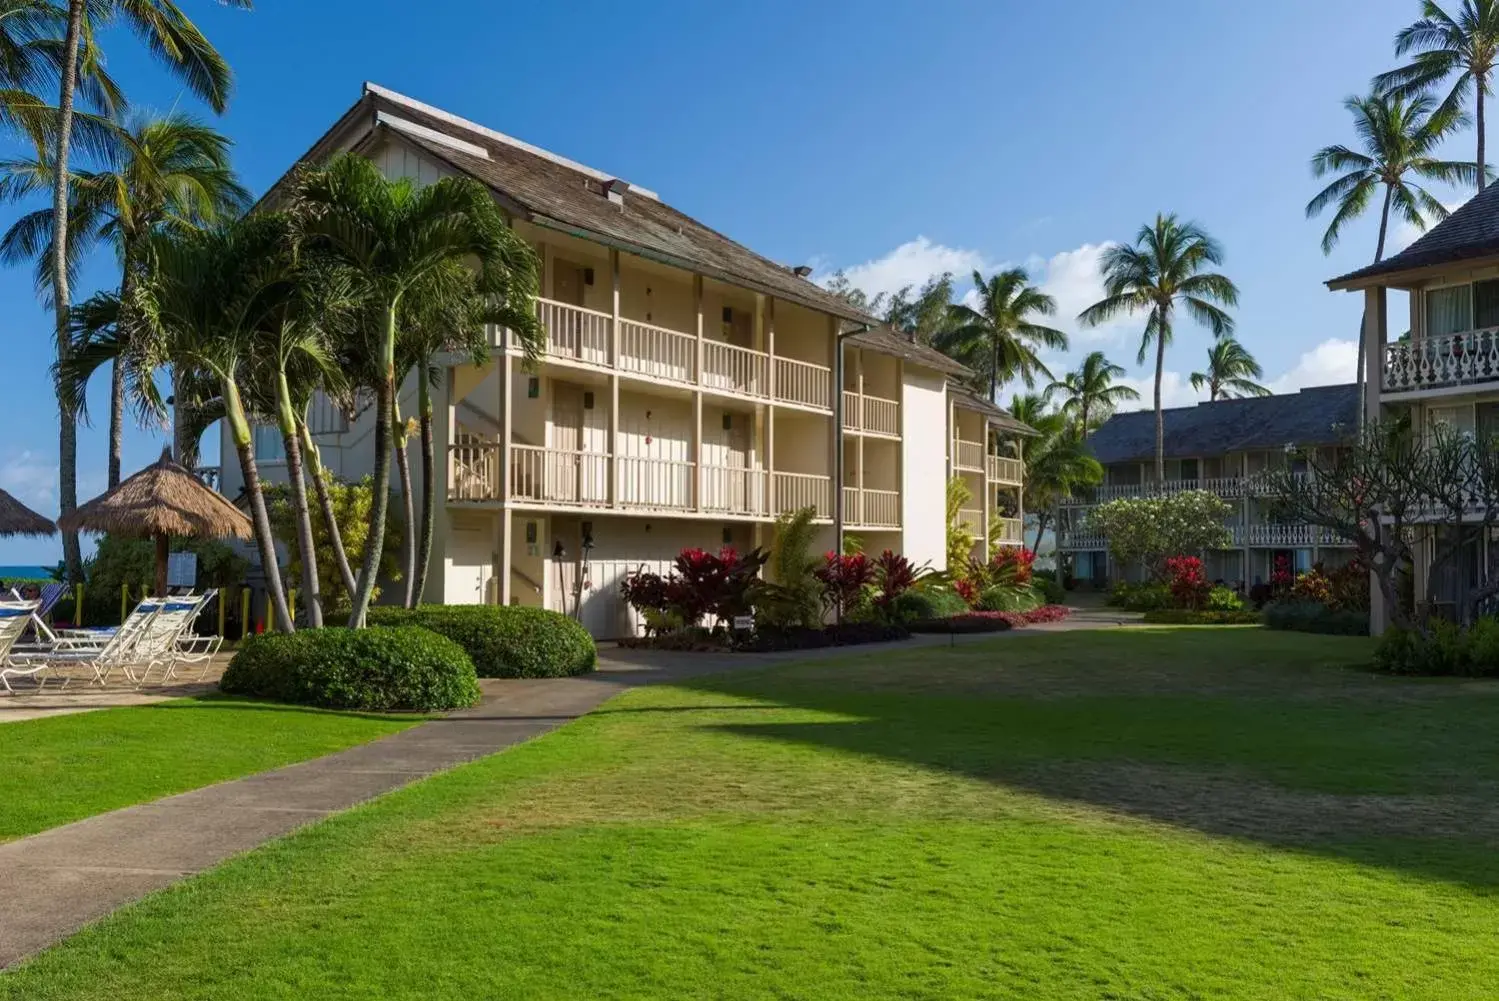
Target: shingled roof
[1470,232]
[1317,416]
[996,415]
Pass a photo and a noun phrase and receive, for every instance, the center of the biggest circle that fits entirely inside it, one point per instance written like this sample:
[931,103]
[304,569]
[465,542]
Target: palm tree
[171,172]
[1000,337]
[391,236]
[1230,373]
[177,42]
[1398,137]
[205,302]
[1089,392]
[1465,45]
[1057,461]
[1163,269]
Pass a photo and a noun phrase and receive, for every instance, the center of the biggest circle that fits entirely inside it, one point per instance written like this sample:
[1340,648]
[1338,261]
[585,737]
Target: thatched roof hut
[18,519]
[161,501]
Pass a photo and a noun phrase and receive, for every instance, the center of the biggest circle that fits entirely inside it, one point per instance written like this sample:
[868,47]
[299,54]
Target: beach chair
[161,643]
[102,651]
[196,650]
[50,595]
[15,616]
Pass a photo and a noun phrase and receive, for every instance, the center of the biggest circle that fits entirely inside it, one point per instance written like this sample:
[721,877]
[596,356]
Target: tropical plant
[1231,372]
[1152,530]
[793,601]
[1165,268]
[1089,392]
[959,539]
[174,40]
[350,504]
[392,236]
[1057,460]
[843,579]
[999,337]
[170,172]
[1465,45]
[1398,137]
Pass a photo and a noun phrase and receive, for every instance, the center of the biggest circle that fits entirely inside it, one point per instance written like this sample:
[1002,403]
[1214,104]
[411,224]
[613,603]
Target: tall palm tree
[1057,462]
[999,339]
[1089,392]
[1231,372]
[174,40]
[170,172]
[1397,137]
[1165,268]
[1465,45]
[391,236]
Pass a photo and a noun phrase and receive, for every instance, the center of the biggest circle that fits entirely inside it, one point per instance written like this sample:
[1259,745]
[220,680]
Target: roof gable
[1470,232]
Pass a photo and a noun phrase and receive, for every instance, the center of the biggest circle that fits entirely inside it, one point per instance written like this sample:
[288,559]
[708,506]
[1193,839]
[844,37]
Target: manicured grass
[1142,814]
[60,769]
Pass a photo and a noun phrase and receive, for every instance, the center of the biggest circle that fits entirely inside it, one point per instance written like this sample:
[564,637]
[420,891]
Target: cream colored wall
[924,473]
[803,443]
[802,334]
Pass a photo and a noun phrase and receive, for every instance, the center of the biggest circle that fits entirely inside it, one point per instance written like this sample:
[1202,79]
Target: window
[267,444]
[1449,310]
[1488,420]
[1485,305]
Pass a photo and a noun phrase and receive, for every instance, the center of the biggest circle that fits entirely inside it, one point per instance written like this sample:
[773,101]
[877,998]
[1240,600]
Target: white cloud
[912,263]
[1074,279]
[1331,363]
[31,479]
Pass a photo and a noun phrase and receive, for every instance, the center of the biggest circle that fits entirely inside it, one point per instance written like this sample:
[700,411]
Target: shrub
[1187,581]
[932,601]
[1052,592]
[793,599]
[1444,650]
[979,622]
[843,579]
[1307,617]
[1223,599]
[1140,597]
[1009,598]
[403,668]
[799,638]
[1204,617]
[504,641]
[893,576]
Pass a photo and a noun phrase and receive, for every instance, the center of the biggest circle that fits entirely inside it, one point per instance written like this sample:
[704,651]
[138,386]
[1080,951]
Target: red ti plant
[1012,564]
[843,579]
[719,584]
[1188,581]
[893,575]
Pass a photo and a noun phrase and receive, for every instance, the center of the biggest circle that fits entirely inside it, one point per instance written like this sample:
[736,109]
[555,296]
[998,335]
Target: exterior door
[470,567]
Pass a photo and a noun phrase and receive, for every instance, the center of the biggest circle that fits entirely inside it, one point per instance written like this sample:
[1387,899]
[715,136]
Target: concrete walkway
[53,883]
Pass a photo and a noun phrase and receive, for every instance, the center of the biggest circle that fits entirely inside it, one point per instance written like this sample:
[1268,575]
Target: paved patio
[80,697]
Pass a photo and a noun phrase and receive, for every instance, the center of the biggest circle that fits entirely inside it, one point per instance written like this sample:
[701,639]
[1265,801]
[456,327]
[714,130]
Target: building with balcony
[1444,367]
[1219,446]
[685,397]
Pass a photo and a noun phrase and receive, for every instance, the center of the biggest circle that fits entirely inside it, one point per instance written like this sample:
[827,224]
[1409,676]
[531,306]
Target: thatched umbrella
[18,519]
[161,501]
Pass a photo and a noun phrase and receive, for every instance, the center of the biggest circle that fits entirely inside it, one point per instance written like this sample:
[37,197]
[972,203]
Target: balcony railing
[1223,486]
[968,455]
[736,490]
[1258,536]
[1008,532]
[587,336]
[555,476]
[658,484]
[1083,540]
[871,508]
[1003,469]
[876,415]
[1464,359]
[209,476]
[794,491]
[972,520]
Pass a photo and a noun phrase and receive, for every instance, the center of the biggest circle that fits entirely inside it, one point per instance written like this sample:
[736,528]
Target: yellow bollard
[124,601]
[244,612]
[223,608]
[291,603]
[78,604]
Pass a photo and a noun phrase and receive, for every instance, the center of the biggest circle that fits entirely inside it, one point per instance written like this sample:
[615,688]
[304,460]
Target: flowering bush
[967,590]
[1188,582]
[701,583]
[843,579]
[1012,563]
[1313,586]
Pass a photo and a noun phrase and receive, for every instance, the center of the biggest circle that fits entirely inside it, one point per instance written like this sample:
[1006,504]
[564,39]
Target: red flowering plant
[967,589]
[1282,577]
[1012,564]
[701,583]
[843,579]
[1187,581]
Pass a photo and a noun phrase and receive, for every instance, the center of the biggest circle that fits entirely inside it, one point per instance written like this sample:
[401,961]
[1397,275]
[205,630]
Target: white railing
[1461,359]
[802,382]
[1004,469]
[879,508]
[324,416]
[971,519]
[968,454]
[736,490]
[794,491]
[1223,486]
[736,369]
[574,332]
[1282,535]
[474,470]
[1083,540]
[1008,532]
[657,351]
[654,483]
[559,476]
[877,415]
[209,476]
[850,411]
[853,511]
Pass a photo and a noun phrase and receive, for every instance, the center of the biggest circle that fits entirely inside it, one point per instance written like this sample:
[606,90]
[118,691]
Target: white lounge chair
[102,651]
[167,640]
[15,616]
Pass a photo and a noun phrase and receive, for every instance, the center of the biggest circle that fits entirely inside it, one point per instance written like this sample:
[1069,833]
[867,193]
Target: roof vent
[614,190]
[802,270]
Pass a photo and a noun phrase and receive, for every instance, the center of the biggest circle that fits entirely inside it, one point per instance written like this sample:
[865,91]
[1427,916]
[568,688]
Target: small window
[1485,305]
[1449,310]
[267,444]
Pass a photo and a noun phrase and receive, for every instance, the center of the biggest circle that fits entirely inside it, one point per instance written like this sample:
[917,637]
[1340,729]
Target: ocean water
[6,573]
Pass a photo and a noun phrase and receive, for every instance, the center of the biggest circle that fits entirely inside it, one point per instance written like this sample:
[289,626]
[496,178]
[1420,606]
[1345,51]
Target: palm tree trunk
[380,500]
[408,533]
[1085,418]
[1040,530]
[330,516]
[67,437]
[1478,125]
[994,375]
[116,419]
[1160,417]
[264,541]
[306,547]
[429,487]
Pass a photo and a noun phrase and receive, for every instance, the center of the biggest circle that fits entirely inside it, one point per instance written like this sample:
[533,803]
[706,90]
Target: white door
[470,567]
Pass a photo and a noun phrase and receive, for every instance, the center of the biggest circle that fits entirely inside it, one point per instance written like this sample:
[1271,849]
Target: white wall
[924,475]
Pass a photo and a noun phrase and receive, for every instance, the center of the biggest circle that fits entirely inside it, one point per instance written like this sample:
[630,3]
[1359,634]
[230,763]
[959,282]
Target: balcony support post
[770,410]
[612,491]
[697,400]
[502,555]
[1375,334]
[507,418]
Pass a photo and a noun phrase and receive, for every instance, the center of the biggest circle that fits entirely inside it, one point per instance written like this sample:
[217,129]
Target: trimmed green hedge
[1314,617]
[1187,617]
[504,641]
[382,669]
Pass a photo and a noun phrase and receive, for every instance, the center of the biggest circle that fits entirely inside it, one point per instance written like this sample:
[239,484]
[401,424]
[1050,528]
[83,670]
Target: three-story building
[685,396]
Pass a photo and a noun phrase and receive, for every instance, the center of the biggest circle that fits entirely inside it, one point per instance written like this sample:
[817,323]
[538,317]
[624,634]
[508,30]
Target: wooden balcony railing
[655,483]
[871,508]
[657,352]
[876,415]
[558,476]
[1004,469]
[574,332]
[968,455]
[1008,532]
[972,519]
[736,490]
[1465,359]
[794,491]
[736,369]
[803,383]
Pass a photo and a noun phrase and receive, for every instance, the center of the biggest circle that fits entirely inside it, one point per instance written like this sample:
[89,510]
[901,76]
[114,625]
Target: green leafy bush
[930,601]
[1052,592]
[1310,617]
[403,668]
[1223,599]
[1443,650]
[1141,597]
[1205,617]
[504,641]
[1009,598]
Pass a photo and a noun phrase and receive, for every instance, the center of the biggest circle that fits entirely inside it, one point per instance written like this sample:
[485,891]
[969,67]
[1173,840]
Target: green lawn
[1135,814]
[60,769]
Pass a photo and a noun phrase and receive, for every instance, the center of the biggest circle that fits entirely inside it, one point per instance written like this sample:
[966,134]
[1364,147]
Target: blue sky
[888,138]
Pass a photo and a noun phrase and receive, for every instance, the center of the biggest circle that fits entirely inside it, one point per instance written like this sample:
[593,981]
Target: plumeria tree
[1151,530]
